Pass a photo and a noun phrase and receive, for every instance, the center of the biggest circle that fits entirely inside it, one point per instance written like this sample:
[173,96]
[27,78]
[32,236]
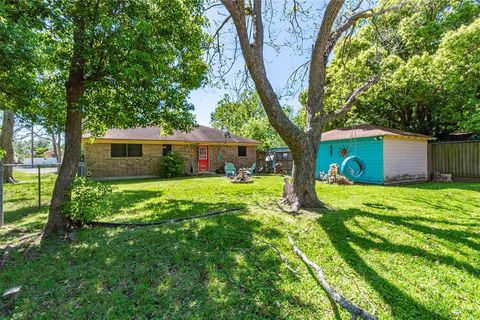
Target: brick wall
[101,164]
[219,155]
[190,156]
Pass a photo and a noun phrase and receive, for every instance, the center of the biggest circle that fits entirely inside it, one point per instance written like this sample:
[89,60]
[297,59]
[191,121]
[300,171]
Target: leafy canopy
[428,62]
[245,116]
[140,59]
[19,53]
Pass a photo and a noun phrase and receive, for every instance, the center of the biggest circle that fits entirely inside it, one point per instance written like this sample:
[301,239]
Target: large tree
[18,57]
[457,65]
[413,93]
[123,64]
[248,18]
[6,144]
[244,115]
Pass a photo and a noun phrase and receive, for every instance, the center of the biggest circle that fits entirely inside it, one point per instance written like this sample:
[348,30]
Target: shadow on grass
[379,206]
[156,179]
[19,214]
[345,241]
[23,220]
[470,186]
[203,269]
[148,205]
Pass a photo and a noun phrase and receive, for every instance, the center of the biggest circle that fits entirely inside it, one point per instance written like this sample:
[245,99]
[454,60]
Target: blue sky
[279,65]
[205,99]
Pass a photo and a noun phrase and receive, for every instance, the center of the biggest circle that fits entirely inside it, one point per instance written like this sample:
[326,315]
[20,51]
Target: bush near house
[172,165]
[90,201]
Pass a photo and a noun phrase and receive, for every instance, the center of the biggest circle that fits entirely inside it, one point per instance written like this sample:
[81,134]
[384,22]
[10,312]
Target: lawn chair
[230,169]
[252,170]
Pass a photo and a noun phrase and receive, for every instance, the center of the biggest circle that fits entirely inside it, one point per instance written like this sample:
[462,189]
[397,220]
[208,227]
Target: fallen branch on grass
[154,223]
[284,258]
[353,309]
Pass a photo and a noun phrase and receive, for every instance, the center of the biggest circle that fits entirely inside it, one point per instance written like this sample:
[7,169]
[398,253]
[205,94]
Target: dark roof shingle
[198,134]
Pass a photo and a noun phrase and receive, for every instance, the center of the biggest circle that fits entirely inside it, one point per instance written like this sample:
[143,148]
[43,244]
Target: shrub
[172,165]
[90,201]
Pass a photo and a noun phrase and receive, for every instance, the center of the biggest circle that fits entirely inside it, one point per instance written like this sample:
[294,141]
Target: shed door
[202,158]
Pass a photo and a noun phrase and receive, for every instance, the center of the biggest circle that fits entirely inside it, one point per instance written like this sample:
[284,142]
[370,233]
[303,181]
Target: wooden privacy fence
[459,158]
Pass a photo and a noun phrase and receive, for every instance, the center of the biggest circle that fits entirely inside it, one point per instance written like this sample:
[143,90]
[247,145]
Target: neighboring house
[389,155]
[280,157]
[49,154]
[137,152]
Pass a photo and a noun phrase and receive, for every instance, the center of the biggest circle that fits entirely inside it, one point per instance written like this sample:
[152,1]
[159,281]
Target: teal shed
[380,155]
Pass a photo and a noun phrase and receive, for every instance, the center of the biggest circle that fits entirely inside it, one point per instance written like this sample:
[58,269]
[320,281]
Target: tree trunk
[54,144]
[57,221]
[57,142]
[56,149]
[6,144]
[303,176]
[59,147]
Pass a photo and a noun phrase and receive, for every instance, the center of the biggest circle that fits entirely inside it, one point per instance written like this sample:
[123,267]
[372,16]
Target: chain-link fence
[26,178]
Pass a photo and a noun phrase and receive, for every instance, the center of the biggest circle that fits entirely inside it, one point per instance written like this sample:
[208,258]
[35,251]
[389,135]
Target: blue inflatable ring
[355,174]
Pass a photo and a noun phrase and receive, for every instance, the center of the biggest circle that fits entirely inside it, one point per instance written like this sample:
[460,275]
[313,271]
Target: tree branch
[318,66]
[211,6]
[253,55]
[258,27]
[220,27]
[351,100]
[352,20]
[353,309]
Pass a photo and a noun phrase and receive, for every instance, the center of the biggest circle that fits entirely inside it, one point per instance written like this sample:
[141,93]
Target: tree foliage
[429,61]
[457,63]
[19,50]
[140,59]
[119,64]
[245,116]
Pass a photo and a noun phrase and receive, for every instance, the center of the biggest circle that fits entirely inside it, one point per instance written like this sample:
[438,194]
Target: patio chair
[230,169]
[252,170]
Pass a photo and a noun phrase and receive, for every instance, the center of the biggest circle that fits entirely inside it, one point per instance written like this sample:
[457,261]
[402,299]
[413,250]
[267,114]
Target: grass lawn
[411,251]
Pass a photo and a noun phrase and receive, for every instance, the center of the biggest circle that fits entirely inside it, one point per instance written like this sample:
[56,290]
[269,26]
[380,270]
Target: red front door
[202,158]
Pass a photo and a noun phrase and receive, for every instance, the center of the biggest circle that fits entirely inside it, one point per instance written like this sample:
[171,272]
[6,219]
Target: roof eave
[154,141]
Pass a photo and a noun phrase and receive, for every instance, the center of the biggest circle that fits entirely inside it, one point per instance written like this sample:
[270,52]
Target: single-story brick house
[137,152]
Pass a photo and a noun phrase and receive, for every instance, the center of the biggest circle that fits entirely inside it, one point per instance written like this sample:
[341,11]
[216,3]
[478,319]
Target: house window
[118,150]
[134,150]
[242,151]
[125,150]
[202,153]
[167,148]
[284,156]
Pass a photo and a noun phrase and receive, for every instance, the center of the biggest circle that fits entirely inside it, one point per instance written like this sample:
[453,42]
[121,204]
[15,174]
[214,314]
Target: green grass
[411,251]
